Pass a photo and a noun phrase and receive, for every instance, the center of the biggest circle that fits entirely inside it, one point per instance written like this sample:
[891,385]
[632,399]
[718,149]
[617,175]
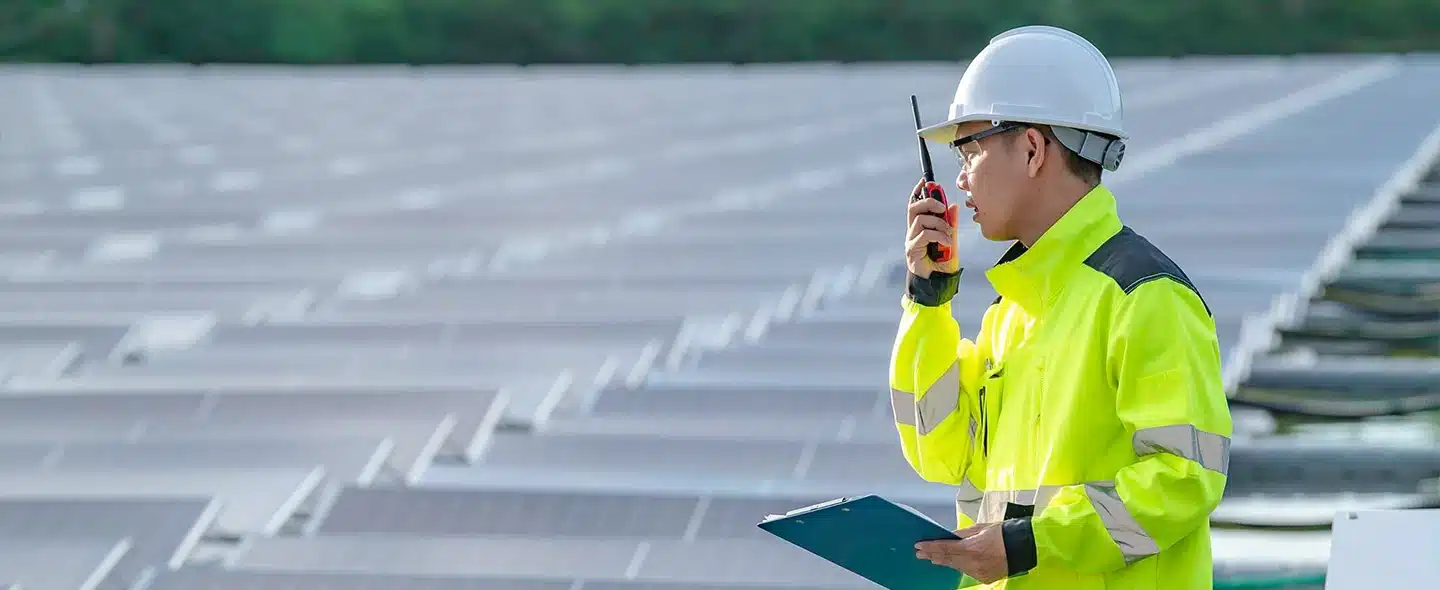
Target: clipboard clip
[804,509]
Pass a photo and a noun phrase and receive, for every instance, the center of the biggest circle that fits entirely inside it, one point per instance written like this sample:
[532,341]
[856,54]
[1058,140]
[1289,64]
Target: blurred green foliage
[649,31]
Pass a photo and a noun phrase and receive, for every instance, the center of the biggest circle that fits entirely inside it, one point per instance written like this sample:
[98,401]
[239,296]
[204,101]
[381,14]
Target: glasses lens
[966,153]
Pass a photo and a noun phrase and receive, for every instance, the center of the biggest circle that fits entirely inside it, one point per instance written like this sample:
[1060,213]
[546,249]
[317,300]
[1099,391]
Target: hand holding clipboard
[871,537]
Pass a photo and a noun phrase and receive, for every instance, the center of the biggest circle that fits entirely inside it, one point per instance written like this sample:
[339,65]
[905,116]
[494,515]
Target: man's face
[993,173]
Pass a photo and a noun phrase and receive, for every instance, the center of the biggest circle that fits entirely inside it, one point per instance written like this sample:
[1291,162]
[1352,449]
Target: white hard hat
[1048,76]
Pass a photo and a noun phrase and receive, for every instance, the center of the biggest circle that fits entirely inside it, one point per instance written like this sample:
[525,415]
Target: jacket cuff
[933,291]
[1019,540]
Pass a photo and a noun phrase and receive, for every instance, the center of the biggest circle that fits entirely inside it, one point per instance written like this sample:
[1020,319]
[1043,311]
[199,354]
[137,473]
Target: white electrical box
[1390,549]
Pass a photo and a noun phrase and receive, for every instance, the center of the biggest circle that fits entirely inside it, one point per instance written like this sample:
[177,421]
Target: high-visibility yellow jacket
[1087,415]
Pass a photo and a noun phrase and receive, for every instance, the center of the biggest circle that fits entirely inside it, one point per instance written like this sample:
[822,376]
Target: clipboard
[871,537]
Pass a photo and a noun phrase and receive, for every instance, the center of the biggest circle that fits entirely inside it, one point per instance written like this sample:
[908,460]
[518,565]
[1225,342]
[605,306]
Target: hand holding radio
[931,224]
[930,242]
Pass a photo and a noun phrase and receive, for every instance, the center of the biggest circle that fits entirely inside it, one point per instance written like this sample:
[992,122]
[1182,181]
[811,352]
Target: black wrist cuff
[1019,540]
[933,291]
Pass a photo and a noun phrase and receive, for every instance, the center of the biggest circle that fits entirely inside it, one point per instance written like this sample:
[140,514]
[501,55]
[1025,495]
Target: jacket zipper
[984,426]
[985,415]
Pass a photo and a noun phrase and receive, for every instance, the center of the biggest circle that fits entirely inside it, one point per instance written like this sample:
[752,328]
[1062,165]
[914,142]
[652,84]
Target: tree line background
[655,31]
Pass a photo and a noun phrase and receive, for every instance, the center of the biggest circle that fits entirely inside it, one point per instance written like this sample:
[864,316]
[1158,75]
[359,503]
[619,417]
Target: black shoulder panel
[1131,260]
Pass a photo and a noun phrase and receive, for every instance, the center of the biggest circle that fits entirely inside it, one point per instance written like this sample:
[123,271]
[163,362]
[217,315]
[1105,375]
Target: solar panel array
[581,328]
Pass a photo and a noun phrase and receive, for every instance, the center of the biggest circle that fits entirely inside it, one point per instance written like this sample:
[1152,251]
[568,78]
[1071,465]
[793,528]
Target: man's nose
[962,181]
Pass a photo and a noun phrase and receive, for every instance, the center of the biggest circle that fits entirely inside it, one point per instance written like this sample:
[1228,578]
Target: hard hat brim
[945,132]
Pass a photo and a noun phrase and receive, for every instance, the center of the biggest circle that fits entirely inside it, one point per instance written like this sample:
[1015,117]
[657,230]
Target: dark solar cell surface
[159,528]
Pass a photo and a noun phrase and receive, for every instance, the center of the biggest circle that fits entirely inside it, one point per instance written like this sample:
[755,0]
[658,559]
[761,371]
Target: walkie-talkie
[937,252]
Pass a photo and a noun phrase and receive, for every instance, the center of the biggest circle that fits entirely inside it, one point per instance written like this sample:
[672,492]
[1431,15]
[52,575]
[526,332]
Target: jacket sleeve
[933,377]
[1164,361]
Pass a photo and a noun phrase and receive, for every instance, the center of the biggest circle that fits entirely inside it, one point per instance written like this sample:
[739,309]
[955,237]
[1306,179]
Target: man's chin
[994,235]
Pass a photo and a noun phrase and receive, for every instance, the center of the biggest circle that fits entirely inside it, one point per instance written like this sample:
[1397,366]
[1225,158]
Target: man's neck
[1050,207]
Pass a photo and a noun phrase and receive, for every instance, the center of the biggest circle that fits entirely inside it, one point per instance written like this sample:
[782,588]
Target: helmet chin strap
[1092,146]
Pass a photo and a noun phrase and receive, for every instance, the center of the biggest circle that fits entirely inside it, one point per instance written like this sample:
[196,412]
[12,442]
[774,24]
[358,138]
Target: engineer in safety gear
[1085,425]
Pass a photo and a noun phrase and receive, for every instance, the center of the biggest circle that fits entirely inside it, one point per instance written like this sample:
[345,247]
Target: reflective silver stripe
[1134,542]
[1210,450]
[992,508]
[926,412]
[903,403]
[968,500]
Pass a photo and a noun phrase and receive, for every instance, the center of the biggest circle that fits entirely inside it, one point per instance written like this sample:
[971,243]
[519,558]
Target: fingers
[925,222]
[947,553]
[923,207]
[920,241]
[926,229]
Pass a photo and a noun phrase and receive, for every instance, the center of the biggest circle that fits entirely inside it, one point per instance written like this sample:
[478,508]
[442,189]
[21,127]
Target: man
[1085,425]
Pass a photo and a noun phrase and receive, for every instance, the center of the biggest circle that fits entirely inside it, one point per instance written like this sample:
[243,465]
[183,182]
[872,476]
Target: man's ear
[1036,149]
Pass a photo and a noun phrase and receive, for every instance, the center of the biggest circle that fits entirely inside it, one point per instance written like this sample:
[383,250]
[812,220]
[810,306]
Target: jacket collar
[1033,277]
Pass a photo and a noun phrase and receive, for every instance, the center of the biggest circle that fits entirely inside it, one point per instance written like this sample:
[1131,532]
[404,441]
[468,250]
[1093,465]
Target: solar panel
[652,585]
[820,330]
[761,359]
[477,410]
[778,377]
[255,501]
[24,455]
[1314,509]
[217,579]
[79,300]
[514,333]
[60,563]
[416,440]
[594,306]
[193,578]
[356,458]
[681,275]
[841,428]
[96,406]
[742,562]
[95,338]
[735,256]
[879,461]
[281,357]
[162,530]
[677,458]
[721,399]
[38,359]
[727,561]
[564,558]
[458,511]
[26,430]
[452,368]
[1290,465]
[457,292]
[527,282]
[1341,387]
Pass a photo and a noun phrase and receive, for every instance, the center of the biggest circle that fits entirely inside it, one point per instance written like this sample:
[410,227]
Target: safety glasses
[966,148]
